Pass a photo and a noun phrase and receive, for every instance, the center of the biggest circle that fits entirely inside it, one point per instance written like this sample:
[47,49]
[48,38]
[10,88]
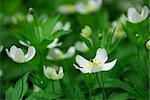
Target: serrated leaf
[21,86]
[72,92]
[47,27]
[43,95]
[118,96]
[11,94]
[57,34]
[19,89]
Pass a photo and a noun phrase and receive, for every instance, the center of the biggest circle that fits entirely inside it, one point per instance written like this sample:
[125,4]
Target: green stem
[90,94]
[103,92]
[36,25]
[53,86]
[22,82]
[139,63]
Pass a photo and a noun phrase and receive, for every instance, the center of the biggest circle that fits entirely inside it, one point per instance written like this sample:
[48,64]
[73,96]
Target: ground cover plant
[74,49]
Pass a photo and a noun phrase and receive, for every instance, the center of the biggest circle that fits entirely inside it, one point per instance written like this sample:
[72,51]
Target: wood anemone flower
[97,64]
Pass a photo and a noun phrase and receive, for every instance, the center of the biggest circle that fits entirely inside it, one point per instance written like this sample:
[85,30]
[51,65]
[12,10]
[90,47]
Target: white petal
[19,56]
[55,54]
[82,62]
[1,48]
[66,26]
[133,15]
[101,55]
[13,50]
[109,66]
[80,8]
[49,72]
[58,26]
[83,70]
[30,54]
[145,12]
[97,68]
[81,46]
[60,74]
[24,43]
[53,44]
[8,53]
[70,52]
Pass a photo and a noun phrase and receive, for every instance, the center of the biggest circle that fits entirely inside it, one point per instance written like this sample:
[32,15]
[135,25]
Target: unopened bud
[31,10]
[100,36]
[136,35]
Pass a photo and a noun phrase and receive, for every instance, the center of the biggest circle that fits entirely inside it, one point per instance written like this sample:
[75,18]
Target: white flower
[81,46]
[59,26]
[97,64]
[66,9]
[88,7]
[135,17]
[17,55]
[54,44]
[52,73]
[86,32]
[57,54]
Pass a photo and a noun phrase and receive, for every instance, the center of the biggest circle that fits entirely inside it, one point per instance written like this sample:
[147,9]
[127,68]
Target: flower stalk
[101,85]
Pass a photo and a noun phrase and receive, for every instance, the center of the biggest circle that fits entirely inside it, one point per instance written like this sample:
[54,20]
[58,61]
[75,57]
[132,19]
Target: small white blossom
[66,9]
[86,32]
[53,73]
[57,54]
[135,17]
[17,55]
[81,46]
[60,26]
[54,44]
[88,7]
[97,64]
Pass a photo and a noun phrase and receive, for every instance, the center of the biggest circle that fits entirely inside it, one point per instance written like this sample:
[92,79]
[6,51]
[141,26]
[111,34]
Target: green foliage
[127,80]
[19,89]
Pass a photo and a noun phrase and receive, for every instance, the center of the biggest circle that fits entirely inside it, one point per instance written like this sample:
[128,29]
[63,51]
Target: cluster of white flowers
[81,7]
[85,66]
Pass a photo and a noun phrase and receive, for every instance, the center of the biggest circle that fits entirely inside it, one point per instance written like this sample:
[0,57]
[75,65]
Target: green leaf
[72,92]
[19,89]
[21,86]
[11,94]
[118,96]
[57,34]
[47,27]
[43,95]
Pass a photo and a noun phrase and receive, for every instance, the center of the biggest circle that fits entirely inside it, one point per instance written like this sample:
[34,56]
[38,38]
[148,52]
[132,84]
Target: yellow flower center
[94,63]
